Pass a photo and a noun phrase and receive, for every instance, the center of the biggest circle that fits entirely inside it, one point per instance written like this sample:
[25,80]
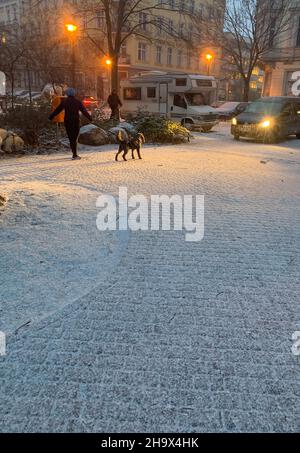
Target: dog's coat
[125,144]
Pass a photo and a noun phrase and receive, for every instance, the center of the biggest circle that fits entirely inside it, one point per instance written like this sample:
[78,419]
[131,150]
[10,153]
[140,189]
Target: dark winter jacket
[72,107]
[114,101]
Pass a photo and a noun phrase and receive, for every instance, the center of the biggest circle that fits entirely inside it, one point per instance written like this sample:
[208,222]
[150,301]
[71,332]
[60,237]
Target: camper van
[185,98]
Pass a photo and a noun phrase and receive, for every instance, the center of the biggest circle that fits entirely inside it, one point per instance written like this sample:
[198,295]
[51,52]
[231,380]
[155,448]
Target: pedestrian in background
[55,102]
[115,104]
[71,106]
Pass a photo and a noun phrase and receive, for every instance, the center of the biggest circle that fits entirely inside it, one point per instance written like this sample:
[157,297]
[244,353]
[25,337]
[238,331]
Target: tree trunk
[115,73]
[246,90]
[12,80]
[29,85]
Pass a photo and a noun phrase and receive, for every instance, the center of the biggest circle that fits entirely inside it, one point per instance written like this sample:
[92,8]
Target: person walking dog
[71,106]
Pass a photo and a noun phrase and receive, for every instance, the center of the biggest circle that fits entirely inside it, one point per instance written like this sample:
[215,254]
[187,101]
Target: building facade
[151,48]
[282,71]
[10,11]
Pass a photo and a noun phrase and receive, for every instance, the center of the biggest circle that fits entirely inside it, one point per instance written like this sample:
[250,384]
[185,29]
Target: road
[144,332]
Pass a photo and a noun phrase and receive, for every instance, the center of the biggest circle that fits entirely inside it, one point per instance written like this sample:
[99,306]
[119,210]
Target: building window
[132,94]
[101,18]
[210,12]
[143,21]
[85,22]
[188,60]
[298,34]
[123,51]
[192,6]
[151,92]
[159,54]
[179,58]
[142,52]
[272,32]
[201,12]
[169,56]
[181,30]
[159,25]
[123,75]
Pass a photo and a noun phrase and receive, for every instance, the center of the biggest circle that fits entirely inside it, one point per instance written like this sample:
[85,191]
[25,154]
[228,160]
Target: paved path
[179,337]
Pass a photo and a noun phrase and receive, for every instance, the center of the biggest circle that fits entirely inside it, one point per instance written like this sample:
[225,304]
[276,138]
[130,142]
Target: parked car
[35,96]
[228,110]
[269,119]
[90,103]
[18,93]
[24,95]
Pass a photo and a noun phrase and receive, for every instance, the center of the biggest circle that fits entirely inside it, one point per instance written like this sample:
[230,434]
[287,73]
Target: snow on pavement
[51,251]
[174,336]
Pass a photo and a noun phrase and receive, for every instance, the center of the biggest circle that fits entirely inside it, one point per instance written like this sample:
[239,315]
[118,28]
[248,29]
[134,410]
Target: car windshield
[266,108]
[228,106]
[195,99]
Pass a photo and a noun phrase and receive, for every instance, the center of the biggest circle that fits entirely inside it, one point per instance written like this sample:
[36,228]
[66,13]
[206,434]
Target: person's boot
[76,157]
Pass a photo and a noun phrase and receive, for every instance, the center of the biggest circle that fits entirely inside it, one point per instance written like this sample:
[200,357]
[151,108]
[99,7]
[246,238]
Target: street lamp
[72,29]
[108,64]
[209,58]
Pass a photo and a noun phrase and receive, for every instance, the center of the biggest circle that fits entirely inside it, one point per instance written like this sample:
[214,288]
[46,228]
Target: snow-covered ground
[145,332]
[51,251]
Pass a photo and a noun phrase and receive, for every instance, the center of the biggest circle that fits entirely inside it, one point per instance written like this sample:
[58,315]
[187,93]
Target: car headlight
[234,121]
[265,124]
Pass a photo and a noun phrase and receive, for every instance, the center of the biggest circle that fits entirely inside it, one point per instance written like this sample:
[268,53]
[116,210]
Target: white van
[185,98]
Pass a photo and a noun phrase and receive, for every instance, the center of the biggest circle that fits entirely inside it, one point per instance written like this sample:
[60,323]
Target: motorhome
[185,98]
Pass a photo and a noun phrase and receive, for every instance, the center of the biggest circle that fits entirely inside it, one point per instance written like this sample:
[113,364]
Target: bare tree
[45,54]
[246,30]
[125,18]
[12,50]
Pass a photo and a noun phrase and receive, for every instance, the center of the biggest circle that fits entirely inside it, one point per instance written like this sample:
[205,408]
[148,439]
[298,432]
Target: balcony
[124,60]
[285,54]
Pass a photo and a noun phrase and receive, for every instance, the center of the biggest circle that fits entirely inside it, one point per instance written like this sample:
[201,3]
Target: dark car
[228,110]
[269,119]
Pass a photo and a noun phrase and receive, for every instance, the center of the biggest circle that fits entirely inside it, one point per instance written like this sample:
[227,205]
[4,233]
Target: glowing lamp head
[234,121]
[71,28]
[208,56]
[265,124]
[108,62]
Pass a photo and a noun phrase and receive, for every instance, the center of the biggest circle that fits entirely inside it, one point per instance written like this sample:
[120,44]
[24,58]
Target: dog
[126,144]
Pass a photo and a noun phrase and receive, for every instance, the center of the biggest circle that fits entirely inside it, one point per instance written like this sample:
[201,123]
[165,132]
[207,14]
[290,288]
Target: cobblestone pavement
[182,337]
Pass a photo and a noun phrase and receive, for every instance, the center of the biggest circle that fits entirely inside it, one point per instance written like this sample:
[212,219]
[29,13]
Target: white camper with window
[185,98]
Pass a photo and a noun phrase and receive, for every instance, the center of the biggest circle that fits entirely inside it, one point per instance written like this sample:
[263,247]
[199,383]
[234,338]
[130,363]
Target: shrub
[161,130]
[28,121]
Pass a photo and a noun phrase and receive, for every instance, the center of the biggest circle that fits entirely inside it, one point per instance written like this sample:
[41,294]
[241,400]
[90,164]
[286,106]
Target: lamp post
[209,58]
[72,29]
[108,63]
